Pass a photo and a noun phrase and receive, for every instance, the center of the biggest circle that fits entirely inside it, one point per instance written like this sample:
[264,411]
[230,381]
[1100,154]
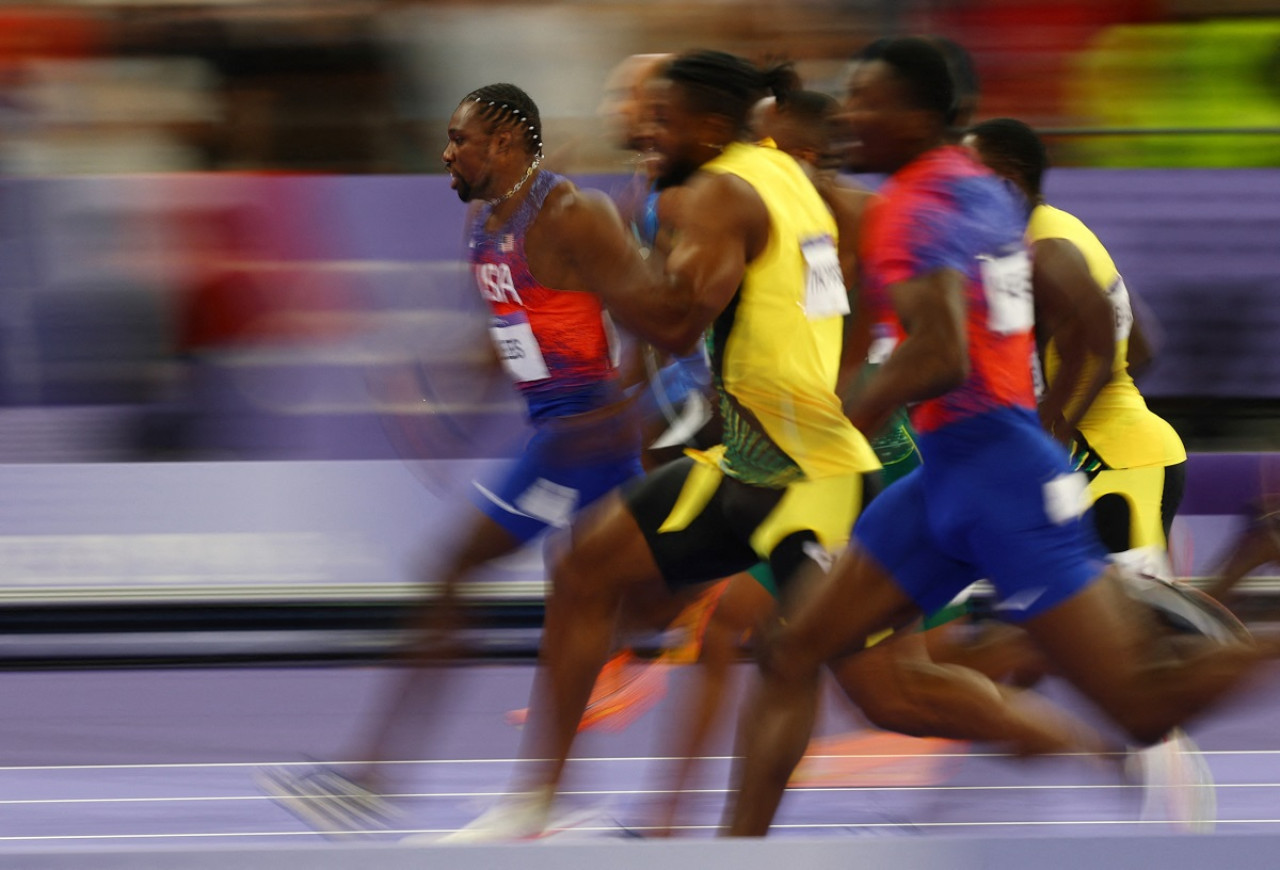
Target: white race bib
[518,349]
[882,344]
[1123,307]
[1037,376]
[1007,282]
[824,291]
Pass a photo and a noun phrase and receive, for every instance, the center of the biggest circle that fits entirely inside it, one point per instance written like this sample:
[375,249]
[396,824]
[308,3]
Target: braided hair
[505,104]
[724,84]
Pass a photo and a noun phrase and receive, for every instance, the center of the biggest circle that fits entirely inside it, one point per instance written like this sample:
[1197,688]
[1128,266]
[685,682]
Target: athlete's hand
[1057,426]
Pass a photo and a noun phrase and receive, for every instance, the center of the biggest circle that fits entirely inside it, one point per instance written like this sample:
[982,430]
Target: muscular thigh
[680,510]
[702,525]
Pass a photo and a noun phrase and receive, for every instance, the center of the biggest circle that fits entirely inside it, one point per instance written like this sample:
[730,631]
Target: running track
[155,767]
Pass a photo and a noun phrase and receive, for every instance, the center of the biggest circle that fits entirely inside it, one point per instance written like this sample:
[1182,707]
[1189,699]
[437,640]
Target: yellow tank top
[775,349]
[1118,426]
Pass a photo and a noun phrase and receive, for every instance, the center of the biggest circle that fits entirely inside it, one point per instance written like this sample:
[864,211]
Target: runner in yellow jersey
[1135,460]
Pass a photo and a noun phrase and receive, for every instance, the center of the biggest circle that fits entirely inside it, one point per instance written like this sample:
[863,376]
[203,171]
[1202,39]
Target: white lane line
[383,834]
[622,759]
[453,795]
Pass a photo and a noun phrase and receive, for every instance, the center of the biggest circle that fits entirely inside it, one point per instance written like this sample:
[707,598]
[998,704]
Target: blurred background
[239,358]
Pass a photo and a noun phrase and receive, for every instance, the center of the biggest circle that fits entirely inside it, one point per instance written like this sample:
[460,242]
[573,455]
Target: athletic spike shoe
[626,689]
[522,817]
[326,800]
[1178,786]
[691,624]
[1185,609]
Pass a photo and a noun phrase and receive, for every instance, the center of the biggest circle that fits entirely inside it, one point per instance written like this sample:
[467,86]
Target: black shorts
[702,525]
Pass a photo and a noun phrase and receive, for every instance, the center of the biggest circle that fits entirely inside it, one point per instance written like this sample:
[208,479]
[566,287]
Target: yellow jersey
[1119,426]
[775,349]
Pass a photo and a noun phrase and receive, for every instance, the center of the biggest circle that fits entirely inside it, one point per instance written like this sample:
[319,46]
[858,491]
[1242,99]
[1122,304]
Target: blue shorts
[994,499]
[545,487]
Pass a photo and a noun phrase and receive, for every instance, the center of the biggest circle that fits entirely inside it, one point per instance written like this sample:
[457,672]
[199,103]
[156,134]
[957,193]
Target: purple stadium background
[294,485]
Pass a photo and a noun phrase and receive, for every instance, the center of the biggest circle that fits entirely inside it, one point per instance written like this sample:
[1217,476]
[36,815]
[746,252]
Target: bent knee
[571,577]
[785,656]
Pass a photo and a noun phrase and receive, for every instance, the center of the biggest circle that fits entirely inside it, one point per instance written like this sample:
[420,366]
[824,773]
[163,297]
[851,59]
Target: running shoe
[1185,609]
[521,817]
[1178,786]
[627,688]
[326,800]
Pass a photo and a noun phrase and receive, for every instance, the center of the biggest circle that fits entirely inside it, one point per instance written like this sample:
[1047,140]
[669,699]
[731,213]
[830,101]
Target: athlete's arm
[1141,352]
[847,205]
[721,226]
[933,357]
[1072,310]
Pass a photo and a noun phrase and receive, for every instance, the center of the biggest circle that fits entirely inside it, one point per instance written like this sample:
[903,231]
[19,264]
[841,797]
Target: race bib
[883,341]
[1118,294]
[518,349]
[1007,283]
[824,291]
[1037,376]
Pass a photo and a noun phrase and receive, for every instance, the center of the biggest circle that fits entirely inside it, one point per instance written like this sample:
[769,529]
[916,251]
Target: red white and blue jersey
[946,211]
[556,344]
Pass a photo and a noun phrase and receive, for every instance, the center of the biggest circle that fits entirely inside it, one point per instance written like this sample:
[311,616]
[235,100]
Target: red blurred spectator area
[1023,50]
[256,274]
[29,32]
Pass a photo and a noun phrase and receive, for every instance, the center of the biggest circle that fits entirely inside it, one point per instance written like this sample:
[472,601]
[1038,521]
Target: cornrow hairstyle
[505,104]
[923,69]
[725,84]
[1015,147]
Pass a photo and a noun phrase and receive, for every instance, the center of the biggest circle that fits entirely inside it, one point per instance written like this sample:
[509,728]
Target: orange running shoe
[627,688]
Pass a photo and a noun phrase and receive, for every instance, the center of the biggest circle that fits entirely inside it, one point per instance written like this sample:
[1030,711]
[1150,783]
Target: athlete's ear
[503,137]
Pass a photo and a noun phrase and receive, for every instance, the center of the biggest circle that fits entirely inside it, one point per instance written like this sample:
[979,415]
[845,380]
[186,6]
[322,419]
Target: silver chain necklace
[519,184]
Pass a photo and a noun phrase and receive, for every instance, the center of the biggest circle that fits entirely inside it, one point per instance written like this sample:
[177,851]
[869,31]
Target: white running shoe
[523,817]
[1178,786]
[326,800]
